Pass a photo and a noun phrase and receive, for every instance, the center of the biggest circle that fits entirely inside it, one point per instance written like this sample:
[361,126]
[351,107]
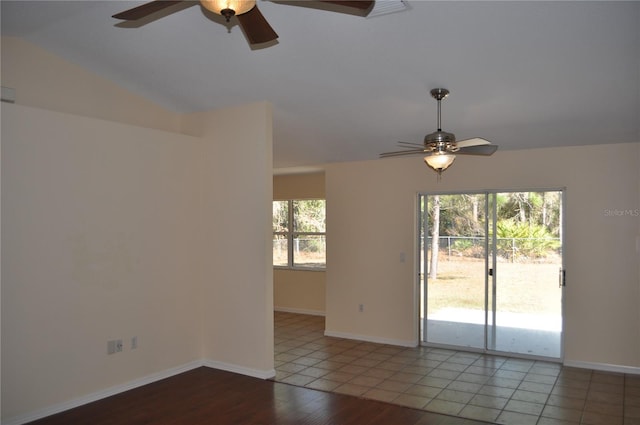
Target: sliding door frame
[490,251]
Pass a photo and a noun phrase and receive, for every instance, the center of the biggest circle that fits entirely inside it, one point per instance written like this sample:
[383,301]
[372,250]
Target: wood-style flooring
[206,396]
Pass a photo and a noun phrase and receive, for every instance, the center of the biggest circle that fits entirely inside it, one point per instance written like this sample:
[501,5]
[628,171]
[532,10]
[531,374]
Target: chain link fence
[508,249]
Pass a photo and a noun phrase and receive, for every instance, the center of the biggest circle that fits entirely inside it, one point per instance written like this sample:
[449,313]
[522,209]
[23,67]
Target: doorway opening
[491,271]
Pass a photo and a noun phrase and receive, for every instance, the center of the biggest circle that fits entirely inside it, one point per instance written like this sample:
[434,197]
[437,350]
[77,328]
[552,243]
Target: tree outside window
[299,234]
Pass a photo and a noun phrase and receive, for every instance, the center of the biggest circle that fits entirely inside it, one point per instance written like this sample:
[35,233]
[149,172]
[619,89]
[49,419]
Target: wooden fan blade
[477,150]
[356,4]
[405,152]
[145,10]
[256,27]
[476,141]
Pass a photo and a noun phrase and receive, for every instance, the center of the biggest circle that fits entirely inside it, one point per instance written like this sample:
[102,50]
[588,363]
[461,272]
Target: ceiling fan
[252,22]
[440,147]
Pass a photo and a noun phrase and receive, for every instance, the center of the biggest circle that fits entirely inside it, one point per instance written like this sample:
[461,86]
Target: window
[299,234]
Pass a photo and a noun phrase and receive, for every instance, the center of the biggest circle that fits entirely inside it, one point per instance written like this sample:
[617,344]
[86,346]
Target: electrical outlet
[361,308]
[111,347]
[119,346]
[134,342]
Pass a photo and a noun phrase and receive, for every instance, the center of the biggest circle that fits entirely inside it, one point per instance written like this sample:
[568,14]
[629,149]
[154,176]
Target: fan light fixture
[228,8]
[439,161]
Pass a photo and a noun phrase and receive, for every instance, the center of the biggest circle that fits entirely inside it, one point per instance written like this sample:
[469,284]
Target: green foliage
[462,244]
[280,216]
[309,215]
[460,215]
[539,208]
[517,239]
[528,223]
[472,247]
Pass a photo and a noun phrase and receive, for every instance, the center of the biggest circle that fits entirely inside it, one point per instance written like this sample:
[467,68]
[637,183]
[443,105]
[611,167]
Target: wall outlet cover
[111,347]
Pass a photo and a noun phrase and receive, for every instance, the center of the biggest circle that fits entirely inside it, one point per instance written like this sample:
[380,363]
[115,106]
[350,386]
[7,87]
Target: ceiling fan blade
[477,150]
[256,27]
[405,152]
[145,10]
[356,4]
[476,141]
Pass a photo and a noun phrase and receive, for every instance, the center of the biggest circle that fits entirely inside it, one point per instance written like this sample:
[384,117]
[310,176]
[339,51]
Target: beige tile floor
[495,389]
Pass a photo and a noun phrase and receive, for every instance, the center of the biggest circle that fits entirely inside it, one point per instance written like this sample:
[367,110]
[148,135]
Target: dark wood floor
[209,396]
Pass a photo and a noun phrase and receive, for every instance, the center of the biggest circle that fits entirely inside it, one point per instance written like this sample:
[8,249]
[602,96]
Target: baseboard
[300,311]
[369,338]
[229,367]
[98,395]
[605,367]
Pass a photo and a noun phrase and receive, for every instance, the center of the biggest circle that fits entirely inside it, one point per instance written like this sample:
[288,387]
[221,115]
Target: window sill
[300,269]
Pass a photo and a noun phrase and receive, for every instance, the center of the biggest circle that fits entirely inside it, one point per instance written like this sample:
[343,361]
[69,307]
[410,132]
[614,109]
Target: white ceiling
[521,74]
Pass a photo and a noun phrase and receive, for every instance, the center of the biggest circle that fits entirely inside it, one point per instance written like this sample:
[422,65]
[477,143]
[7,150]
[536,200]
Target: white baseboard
[98,395]
[369,338]
[605,367]
[255,373]
[299,311]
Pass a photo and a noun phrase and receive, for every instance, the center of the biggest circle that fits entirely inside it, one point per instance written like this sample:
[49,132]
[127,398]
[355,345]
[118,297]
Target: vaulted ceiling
[521,74]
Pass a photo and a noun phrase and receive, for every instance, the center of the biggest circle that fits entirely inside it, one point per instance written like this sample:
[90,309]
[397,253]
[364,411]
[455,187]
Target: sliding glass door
[455,272]
[491,271]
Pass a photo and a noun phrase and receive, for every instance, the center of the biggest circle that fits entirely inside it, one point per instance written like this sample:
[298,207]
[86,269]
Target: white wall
[299,291]
[237,297]
[99,222]
[371,220]
[112,230]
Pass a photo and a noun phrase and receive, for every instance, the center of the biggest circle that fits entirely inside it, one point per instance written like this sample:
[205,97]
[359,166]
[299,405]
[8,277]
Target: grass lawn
[527,288]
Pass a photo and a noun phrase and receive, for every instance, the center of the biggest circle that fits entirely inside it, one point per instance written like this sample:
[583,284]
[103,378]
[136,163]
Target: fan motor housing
[439,137]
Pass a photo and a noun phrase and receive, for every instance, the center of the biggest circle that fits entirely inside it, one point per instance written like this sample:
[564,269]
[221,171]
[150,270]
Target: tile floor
[495,389]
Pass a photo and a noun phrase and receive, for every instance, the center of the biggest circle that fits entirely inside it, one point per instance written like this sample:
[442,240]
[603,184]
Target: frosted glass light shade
[238,6]
[439,161]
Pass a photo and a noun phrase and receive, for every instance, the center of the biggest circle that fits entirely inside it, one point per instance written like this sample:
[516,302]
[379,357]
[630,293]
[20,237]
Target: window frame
[291,235]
